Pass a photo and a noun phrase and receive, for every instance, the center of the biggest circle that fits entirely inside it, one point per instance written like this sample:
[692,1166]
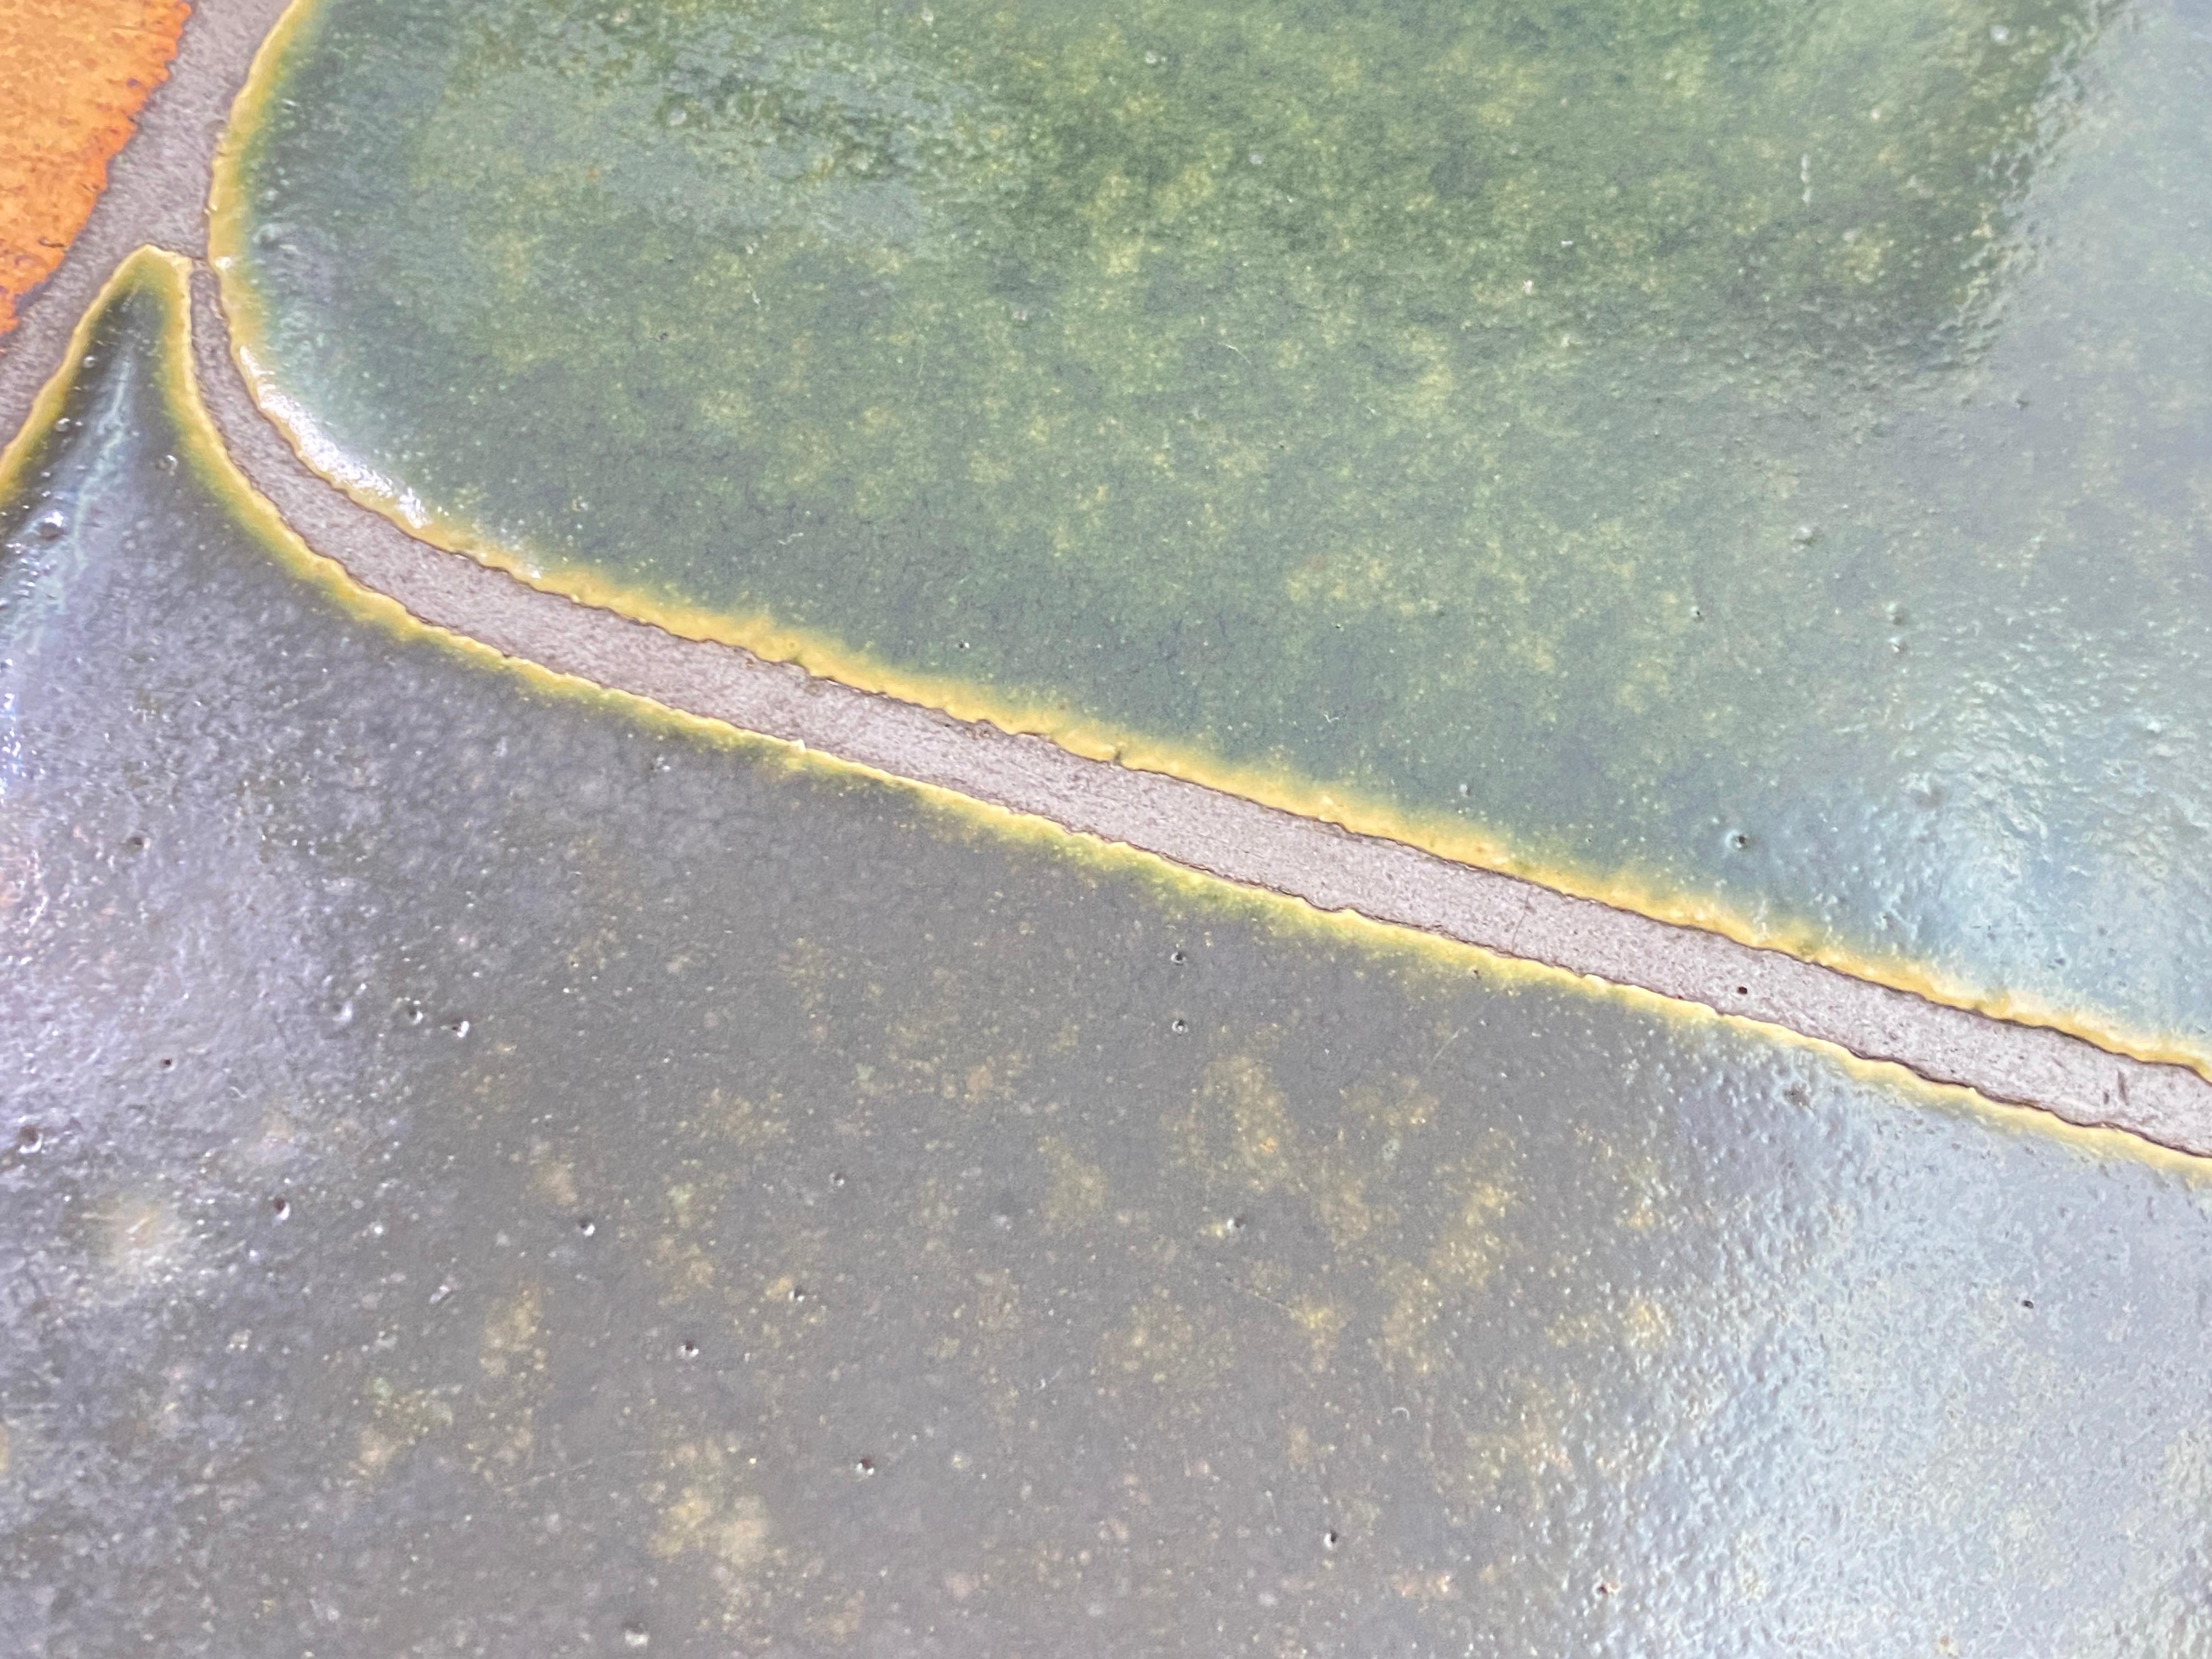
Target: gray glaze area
[488,1172]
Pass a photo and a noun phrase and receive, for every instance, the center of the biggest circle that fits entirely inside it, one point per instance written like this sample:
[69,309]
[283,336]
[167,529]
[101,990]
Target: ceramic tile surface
[498,1172]
[1751,461]
[73,74]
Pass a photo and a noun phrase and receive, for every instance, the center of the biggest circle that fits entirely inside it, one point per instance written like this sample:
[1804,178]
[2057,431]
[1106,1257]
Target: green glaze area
[486,1172]
[1747,459]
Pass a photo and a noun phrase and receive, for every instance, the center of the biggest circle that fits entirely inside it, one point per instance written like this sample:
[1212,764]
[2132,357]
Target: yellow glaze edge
[828,659]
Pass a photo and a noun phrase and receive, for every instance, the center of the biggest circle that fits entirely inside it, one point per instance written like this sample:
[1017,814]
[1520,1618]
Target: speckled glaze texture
[491,1171]
[73,74]
[1750,461]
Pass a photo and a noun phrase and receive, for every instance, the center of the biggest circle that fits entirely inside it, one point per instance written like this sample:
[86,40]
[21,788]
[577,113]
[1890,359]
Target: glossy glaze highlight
[494,1168]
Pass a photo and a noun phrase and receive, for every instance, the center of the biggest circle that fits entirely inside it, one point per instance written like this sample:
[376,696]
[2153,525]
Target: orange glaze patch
[73,75]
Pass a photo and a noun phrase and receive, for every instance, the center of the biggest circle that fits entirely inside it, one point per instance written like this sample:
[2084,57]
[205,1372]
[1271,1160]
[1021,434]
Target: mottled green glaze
[1752,455]
[486,1174]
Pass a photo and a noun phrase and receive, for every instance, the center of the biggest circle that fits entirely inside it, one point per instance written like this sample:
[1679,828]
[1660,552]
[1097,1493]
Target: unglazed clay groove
[1200,828]
[157,187]
[1203,828]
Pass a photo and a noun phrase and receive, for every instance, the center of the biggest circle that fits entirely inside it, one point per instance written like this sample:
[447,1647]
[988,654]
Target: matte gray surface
[493,1174]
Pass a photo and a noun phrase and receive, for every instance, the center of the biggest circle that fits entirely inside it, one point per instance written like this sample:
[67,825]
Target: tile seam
[1225,836]
[156,194]
[156,190]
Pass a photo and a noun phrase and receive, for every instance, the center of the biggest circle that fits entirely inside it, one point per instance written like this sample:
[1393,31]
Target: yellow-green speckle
[1746,459]
[1036,1242]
